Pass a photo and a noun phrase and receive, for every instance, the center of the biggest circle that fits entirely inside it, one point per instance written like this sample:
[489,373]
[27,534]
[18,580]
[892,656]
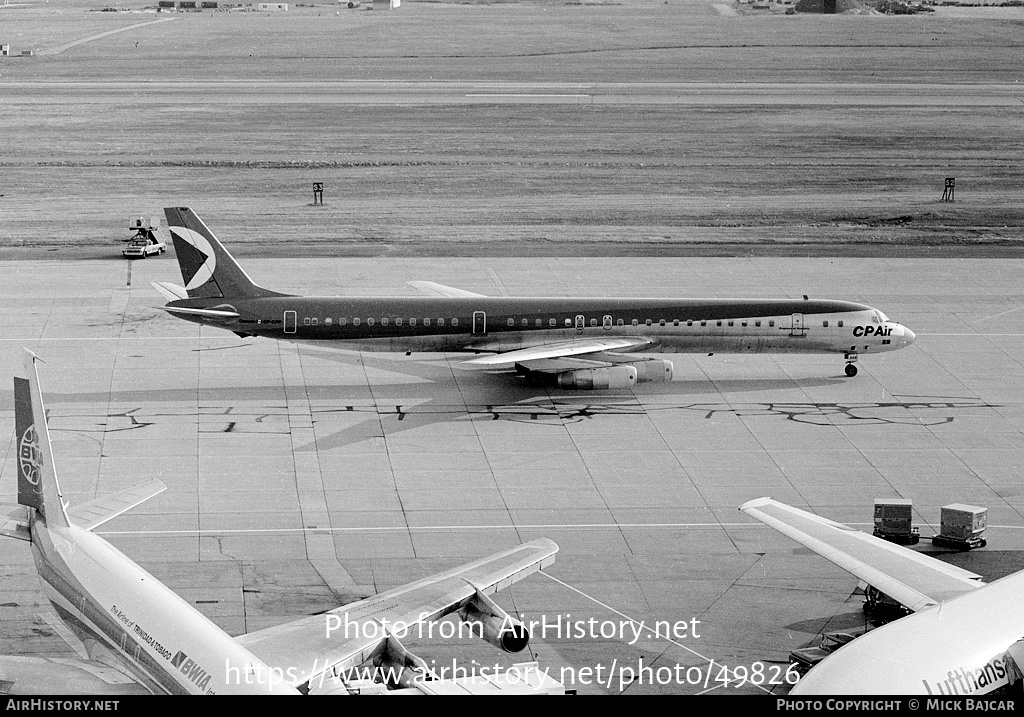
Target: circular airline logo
[29,457]
[203,263]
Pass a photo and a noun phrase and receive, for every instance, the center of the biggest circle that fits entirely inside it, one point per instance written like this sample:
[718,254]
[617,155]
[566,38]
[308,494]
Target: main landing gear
[851,367]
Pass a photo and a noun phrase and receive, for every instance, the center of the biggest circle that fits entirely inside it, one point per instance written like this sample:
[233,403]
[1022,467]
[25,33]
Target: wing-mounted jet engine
[497,626]
[605,371]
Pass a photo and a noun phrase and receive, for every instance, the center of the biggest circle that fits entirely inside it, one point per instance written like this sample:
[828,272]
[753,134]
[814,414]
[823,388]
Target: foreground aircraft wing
[914,580]
[431,289]
[306,654]
[547,352]
[97,512]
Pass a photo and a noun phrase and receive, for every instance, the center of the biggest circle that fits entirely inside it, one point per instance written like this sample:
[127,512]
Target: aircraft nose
[909,336]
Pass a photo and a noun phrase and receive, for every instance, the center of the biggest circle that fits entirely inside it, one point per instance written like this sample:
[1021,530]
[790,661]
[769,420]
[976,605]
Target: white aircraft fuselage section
[130,620]
[503,324]
[956,648]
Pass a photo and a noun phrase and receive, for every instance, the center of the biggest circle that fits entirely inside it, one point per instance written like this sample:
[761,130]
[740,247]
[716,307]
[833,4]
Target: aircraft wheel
[851,370]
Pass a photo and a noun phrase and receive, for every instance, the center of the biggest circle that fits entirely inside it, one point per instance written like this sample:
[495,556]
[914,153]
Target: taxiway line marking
[428,528]
[402,528]
[511,94]
[387,528]
[927,335]
[111,338]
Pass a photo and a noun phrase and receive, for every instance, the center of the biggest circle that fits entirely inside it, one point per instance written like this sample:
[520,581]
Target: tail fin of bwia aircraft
[37,477]
[208,269]
[38,489]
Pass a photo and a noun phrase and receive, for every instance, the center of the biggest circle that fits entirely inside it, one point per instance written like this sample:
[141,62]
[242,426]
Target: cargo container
[962,526]
[893,517]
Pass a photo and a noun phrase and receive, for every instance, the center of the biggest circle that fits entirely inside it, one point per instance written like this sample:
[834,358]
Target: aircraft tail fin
[37,476]
[208,269]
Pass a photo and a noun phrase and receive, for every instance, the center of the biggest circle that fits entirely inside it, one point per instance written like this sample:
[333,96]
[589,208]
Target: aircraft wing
[432,289]
[914,580]
[306,653]
[97,512]
[14,521]
[549,353]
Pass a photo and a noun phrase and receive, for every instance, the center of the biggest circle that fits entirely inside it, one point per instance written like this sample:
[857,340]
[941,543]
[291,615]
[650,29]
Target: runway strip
[461,93]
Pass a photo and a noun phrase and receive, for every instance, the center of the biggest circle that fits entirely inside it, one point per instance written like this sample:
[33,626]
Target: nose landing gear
[851,367]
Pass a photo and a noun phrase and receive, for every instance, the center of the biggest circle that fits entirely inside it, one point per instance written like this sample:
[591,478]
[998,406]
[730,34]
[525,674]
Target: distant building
[272,7]
[386,4]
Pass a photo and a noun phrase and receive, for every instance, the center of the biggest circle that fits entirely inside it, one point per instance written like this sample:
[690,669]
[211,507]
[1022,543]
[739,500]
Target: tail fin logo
[29,456]
[195,256]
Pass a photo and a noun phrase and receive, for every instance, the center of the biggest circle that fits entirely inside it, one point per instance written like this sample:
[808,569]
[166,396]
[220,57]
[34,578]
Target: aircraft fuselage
[505,324]
[128,619]
[957,648]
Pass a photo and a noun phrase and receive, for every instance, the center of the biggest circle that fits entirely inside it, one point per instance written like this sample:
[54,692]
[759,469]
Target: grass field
[554,178]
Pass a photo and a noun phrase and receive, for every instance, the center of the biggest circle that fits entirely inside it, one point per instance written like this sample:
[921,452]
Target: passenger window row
[314,321]
[537,323]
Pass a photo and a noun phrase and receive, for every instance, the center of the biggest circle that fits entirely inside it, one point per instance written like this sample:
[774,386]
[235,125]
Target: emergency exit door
[479,323]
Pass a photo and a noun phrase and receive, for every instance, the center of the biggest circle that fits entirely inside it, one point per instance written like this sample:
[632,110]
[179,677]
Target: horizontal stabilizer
[171,292]
[58,626]
[97,512]
[431,289]
[14,521]
[64,676]
[212,314]
[914,580]
[580,347]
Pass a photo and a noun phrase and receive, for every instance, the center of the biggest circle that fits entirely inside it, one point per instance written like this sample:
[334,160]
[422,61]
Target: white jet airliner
[136,636]
[571,343]
[963,638]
